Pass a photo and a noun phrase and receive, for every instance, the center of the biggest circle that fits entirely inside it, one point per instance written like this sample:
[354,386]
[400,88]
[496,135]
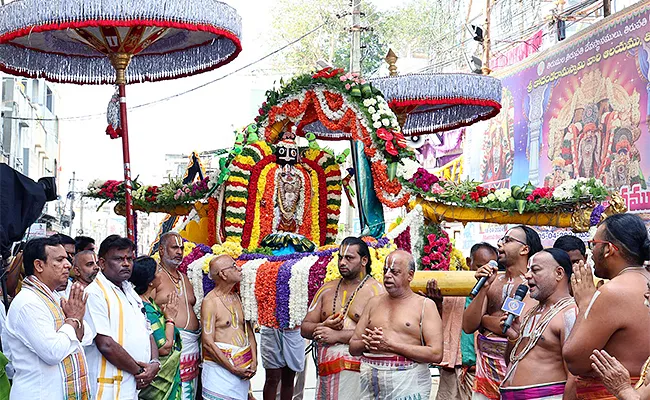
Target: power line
[92,116]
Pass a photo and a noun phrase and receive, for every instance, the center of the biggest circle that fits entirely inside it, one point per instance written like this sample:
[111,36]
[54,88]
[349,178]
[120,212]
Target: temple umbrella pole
[120,62]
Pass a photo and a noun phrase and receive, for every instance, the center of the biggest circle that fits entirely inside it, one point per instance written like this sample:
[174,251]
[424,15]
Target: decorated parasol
[106,42]
[428,103]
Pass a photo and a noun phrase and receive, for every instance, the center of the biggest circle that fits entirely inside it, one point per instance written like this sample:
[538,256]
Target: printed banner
[579,109]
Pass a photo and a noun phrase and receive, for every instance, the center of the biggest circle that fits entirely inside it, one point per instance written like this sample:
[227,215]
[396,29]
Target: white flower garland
[179,227]
[195,275]
[415,220]
[247,288]
[298,290]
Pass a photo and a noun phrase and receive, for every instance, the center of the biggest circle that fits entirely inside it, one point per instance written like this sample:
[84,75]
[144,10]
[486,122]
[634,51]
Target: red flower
[261,111]
[390,148]
[426,260]
[384,134]
[475,196]
[401,141]
[427,249]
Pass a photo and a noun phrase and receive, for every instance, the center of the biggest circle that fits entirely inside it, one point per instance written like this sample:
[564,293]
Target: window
[49,99]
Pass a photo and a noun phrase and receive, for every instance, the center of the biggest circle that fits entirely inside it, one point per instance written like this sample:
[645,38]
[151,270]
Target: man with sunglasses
[484,312]
[612,318]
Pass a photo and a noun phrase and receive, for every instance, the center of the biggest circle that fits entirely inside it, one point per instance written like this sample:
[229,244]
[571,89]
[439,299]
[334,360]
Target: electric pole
[71,194]
[355,66]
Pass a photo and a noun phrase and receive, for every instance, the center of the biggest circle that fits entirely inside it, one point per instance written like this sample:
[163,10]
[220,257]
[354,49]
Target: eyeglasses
[508,239]
[234,265]
[593,243]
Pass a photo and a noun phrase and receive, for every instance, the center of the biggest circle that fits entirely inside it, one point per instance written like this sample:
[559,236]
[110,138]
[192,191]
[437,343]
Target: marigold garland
[265,293]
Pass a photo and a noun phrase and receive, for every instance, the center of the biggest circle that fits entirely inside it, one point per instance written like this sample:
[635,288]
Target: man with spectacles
[124,355]
[230,356]
[484,312]
[612,318]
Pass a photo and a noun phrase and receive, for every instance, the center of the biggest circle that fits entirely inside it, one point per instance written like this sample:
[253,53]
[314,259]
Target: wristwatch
[155,360]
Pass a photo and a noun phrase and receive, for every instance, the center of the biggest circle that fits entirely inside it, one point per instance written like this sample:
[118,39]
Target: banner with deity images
[579,109]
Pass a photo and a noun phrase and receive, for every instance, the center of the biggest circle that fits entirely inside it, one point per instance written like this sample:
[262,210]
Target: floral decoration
[168,196]
[571,194]
[283,293]
[266,292]
[317,275]
[247,287]
[344,103]
[299,290]
[436,250]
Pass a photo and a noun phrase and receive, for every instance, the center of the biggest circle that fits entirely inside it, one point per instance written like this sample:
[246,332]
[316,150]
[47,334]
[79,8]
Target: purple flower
[208,284]
[596,214]
[282,293]
[317,274]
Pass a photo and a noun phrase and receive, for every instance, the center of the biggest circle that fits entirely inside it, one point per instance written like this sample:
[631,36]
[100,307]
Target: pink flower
[426,260]
[427,249]
[343,78]
[437,189]
[347,86]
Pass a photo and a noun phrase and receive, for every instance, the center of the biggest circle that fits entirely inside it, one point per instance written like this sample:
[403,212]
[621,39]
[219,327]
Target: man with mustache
[85,267]
[124,355]
[332,317]
[484,312]
[398,335]
[613,317]
[171,256]
[536,369]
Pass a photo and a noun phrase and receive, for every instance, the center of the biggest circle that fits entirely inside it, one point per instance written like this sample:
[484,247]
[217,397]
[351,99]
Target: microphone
[514,307]
[481,282]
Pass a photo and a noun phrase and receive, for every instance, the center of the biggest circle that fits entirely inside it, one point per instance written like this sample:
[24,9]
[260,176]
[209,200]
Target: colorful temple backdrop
[579,109]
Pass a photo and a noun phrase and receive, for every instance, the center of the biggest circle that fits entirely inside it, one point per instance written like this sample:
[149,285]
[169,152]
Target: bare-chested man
[230,351]
[399,334]
[171,256]
[613,317]
[332,317]
[484,312]
[536,368]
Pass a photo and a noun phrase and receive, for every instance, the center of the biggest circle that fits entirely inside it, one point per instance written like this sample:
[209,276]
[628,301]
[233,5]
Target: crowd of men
[120,327]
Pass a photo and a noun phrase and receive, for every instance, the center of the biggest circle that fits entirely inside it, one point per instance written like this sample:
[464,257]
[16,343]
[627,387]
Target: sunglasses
[509,239]
[592,244]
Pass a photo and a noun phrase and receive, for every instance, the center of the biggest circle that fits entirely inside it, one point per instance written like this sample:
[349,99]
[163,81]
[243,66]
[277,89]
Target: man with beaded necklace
[536,368]
[171,256]
[484,312]
[332,317]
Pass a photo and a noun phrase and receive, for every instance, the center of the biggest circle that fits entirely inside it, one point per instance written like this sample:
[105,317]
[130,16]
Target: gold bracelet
[512,341]
[75,320]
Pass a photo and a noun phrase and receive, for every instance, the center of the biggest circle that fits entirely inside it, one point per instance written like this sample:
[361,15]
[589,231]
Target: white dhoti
[338,373]
[218,382]
[190,361]
[394,377]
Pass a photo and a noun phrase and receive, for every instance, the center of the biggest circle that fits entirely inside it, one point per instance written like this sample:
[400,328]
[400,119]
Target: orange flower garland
[305,227]
[265,291]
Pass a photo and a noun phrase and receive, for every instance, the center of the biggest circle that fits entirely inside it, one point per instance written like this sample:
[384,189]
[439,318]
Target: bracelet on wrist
[74,320]
[155,360]
[170,321]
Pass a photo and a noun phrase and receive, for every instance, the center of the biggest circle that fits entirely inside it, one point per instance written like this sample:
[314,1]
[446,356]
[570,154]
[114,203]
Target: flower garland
[414,221]
[197,252]
[378,253]
[283,293]
[247,288]
[457,261]
[168,196]
[195,275]
[317,275]
[437,249]
[262,208]
[527,198]
[361,111]
[265,293]
[299,290]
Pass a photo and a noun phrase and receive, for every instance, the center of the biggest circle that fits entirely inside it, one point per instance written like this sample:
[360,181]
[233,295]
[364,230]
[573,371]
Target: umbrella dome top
[72,40]
[441,101]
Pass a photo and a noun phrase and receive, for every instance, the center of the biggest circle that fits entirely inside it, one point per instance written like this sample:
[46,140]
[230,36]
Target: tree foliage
[422,28]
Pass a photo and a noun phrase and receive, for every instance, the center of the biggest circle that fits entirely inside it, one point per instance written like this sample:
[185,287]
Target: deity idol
[289,185]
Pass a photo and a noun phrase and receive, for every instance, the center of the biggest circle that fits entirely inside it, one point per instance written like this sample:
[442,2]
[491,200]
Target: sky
[202,120]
